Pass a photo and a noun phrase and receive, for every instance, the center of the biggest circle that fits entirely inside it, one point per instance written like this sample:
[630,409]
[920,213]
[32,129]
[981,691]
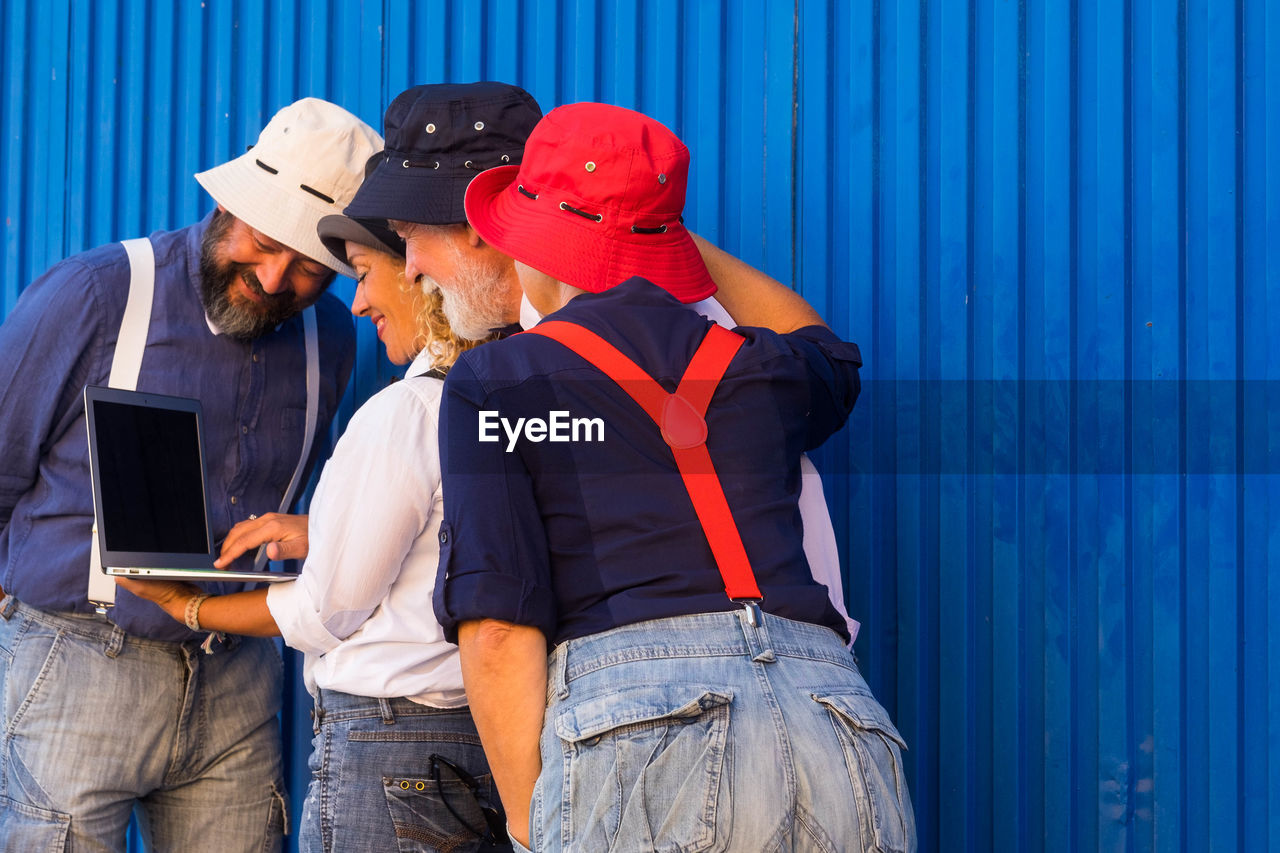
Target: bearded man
[110,708]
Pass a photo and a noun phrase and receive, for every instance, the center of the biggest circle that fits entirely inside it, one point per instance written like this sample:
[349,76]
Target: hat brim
[335,230]
[579,251]
[240,186]
[410,194]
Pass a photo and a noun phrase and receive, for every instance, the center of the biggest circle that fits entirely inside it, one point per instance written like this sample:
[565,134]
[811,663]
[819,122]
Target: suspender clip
[752,607]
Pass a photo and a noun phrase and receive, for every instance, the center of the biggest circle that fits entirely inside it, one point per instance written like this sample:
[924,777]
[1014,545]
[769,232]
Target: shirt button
[255,358]
[244,430]
[233,500]
[444,537]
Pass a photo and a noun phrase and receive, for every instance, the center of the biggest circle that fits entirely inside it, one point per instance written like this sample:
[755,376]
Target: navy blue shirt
[61,336]
[582,535]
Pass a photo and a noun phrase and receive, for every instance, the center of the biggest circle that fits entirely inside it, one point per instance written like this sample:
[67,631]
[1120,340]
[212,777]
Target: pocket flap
[863,712]
[593,717]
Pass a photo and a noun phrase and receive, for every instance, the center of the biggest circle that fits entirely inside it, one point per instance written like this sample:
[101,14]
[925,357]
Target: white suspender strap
[125,365]
[127,361]
[313,409]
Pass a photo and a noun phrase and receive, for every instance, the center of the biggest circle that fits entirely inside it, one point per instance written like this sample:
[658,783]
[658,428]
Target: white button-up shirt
[361,609]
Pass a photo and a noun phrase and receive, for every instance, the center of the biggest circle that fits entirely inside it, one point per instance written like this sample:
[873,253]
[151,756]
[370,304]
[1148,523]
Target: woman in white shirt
[396,762]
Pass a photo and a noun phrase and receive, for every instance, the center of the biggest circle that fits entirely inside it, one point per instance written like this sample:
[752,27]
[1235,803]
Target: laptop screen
[151,478]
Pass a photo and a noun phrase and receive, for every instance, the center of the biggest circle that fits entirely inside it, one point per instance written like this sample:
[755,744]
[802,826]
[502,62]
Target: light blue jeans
[383,778]
[706,733]
[96,721]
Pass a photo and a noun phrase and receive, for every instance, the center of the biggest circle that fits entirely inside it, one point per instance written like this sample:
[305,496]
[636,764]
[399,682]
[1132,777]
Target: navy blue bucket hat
[438,137]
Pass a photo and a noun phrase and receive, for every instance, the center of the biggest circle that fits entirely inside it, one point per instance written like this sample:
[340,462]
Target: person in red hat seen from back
[621,487]
[439,136]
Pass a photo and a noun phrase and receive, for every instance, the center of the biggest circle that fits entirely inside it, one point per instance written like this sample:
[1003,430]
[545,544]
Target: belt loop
[756,632]
[388,717]
[556,677]
[10,604]
[116,643]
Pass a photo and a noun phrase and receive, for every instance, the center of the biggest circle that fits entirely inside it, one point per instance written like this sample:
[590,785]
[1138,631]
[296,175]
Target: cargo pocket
[28,828]
[643,769]
[873,757]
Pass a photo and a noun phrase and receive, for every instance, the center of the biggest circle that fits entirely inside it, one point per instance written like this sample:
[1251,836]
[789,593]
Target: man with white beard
[439,137]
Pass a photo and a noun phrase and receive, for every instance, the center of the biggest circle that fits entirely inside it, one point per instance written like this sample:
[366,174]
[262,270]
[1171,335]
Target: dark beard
[234,315]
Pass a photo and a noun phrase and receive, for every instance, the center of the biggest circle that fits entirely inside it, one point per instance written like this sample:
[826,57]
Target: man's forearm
[753,298]
[504,670]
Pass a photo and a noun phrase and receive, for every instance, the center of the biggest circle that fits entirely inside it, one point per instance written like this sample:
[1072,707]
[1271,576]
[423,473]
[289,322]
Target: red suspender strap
[682,419]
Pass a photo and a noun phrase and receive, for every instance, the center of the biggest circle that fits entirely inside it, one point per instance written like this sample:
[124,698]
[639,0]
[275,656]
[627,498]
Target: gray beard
[475,304]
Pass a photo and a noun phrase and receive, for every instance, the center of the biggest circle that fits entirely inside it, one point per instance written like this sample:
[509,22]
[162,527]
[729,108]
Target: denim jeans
[96,722]
[384,777]
[705,732]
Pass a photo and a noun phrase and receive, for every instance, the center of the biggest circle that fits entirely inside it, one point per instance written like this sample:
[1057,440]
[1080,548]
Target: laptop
[150,506]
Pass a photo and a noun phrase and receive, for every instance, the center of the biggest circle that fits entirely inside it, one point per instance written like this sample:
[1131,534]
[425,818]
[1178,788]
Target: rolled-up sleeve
[299,621]
[494,560]
[834,383]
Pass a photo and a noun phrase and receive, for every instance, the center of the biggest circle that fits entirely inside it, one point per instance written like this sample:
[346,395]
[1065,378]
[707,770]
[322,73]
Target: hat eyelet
[594,217]
[467,164]
[437,165]
[431,128]
[662,179]
[506,158]
[405,164]
[591,166]
[479,125]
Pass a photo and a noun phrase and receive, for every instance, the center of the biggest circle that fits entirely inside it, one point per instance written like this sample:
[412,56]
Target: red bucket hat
[596,200]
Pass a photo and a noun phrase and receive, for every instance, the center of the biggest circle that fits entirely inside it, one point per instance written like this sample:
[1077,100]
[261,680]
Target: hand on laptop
[284,535]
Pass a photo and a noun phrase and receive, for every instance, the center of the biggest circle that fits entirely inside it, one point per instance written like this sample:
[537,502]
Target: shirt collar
[213,327]
[506,331]
[529,316]
[421,365]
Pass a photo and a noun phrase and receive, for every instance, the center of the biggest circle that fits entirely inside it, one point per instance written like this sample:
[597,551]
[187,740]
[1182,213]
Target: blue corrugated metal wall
[1054,227]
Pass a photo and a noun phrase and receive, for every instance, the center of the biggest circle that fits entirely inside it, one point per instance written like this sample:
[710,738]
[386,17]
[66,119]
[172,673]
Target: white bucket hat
[307,164]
